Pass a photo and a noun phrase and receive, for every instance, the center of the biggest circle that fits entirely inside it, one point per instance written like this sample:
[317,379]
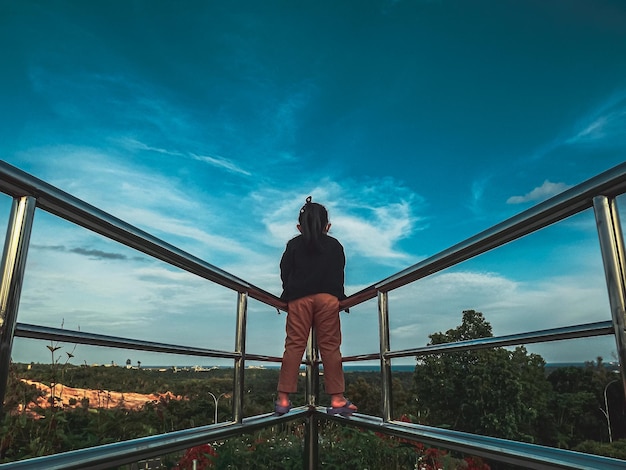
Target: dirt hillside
[73,397]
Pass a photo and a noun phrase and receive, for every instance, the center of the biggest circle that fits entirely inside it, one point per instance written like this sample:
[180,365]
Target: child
[311,269]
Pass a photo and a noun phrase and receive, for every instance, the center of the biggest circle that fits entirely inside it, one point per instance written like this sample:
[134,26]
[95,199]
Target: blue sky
[207,123]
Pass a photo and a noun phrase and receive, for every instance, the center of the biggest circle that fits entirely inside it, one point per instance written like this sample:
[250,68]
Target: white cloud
[129,298]
[213,160]
[605,126]
[375,237]
[369,219]
[127,294]
[158,204]
[221,162]
[134,144]
[435,304]
[540,193]
[158,222]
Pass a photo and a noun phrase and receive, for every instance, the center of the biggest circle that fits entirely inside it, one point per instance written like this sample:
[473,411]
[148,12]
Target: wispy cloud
[369,217]
[213,160]
[89,252]
[475,202]
[133,104]
[540,193]
[605,126]
[435,304]
[147,199]
[134,144]
[221,162]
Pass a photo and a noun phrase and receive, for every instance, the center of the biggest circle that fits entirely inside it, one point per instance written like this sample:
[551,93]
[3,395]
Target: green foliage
[494,392]
[340,448]
[578,402]
[122,379]
[52,430]
[349,448]
[508,394]
[278,448]
[366,394]
[616,449]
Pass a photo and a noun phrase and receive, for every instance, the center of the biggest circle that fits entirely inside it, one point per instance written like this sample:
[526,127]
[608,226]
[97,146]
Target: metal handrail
[585,330]
[553,334]
[592,193]
[530,456]
[610,183]
[120,453]
[25,330]
[15,182]
[18,183]
[503,450]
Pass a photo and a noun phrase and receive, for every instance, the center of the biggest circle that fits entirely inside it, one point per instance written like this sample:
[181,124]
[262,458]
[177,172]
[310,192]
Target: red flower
[204,455]
[476,463]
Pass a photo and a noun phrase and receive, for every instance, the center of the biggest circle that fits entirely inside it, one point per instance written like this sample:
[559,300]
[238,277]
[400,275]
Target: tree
[366,395]
[578,404]
[493,392]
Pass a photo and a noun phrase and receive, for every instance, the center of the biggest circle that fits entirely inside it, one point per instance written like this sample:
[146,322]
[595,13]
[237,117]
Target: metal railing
[30,193]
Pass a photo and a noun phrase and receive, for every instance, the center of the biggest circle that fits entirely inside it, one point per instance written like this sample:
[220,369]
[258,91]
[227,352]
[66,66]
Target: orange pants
[320,311]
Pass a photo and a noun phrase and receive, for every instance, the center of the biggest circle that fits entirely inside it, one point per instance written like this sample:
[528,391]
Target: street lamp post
[216,400]
[606,410]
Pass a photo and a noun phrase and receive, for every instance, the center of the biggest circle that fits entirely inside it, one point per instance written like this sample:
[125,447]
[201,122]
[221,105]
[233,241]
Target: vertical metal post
[312,370]
[385,363]
[612,248]
[240,363]
[13,266]
[311,443]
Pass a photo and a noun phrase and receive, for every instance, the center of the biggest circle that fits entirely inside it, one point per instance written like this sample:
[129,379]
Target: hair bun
[308,200]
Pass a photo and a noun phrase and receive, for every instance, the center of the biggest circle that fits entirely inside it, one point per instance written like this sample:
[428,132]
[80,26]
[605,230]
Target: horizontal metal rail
[502,450]
[362,357]
[513,452]
[553,334]
[610,183]
[25,330]
[17,183]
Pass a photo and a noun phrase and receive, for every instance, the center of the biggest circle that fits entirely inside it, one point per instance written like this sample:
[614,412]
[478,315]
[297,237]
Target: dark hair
[313,220]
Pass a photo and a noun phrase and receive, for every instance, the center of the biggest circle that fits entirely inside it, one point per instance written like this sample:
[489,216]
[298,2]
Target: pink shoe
[344,410]
[281,410]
